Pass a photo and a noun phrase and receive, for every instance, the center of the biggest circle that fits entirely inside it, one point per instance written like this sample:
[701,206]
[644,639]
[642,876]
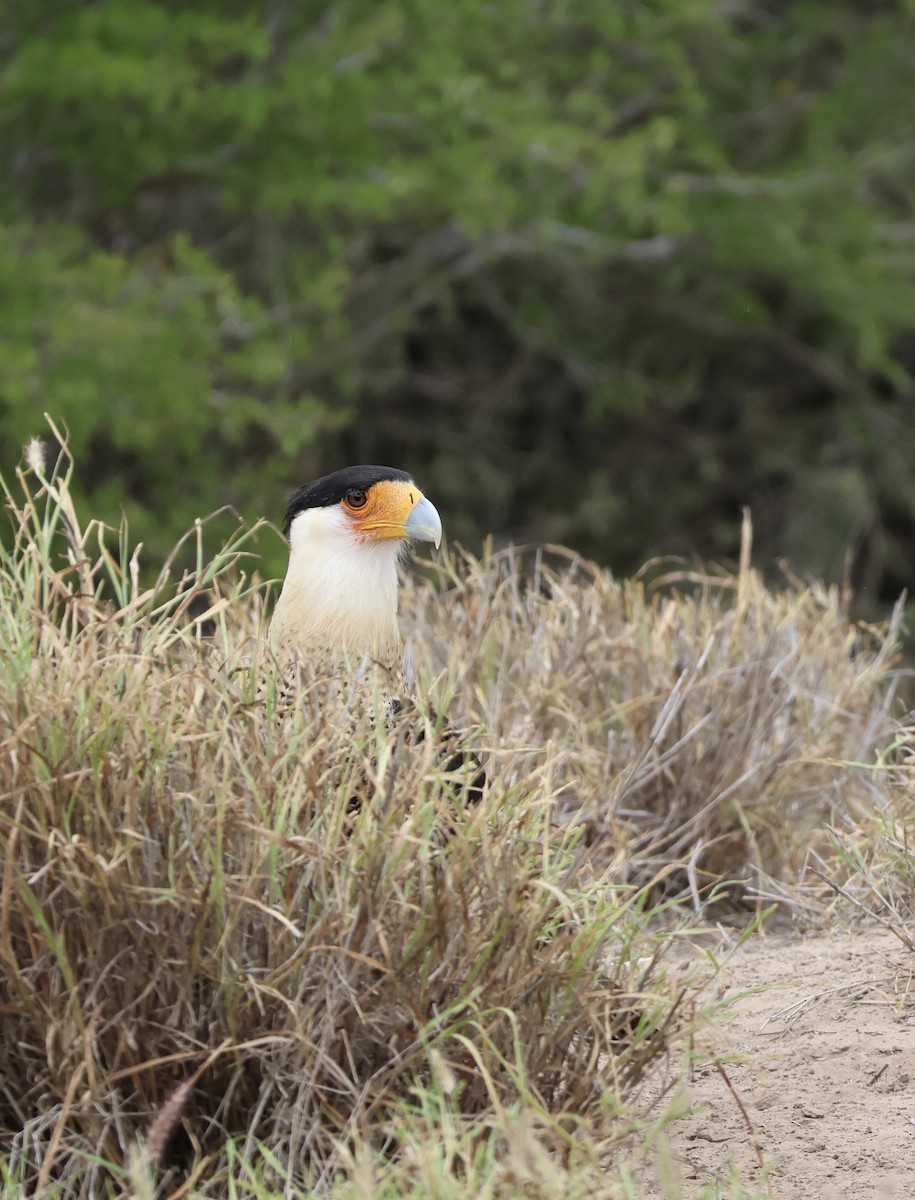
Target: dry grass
[700,730]
[871,868]
[216,979]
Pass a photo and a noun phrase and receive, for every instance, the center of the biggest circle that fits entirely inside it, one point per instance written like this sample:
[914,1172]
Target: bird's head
[363,506]
[346,533]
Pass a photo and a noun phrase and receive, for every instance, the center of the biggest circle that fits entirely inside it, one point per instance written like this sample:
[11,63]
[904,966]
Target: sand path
[817,1038]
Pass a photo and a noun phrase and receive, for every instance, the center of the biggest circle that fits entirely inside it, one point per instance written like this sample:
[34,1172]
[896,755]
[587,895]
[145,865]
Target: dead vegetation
[212,970]
[701,731]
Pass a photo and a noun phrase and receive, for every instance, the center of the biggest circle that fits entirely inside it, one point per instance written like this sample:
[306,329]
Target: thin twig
[746,1116]
[902,933]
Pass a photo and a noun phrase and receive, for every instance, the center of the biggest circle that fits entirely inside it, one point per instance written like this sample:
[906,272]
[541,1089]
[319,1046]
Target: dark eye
[355,498]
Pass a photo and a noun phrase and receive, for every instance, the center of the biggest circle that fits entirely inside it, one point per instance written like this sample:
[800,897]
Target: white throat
[339,598]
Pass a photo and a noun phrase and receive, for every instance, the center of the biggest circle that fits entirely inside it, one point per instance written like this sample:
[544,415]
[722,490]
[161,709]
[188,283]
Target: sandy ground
[817,1039]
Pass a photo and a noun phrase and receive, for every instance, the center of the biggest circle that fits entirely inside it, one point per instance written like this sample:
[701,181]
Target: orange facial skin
[391,508]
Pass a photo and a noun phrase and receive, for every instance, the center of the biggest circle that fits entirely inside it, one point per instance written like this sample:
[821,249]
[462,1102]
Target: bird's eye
[355,498]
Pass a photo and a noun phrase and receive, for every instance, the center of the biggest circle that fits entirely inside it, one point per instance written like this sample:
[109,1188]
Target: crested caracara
[337,611]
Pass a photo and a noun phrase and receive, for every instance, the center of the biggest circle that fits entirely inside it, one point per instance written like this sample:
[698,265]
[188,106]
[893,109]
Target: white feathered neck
[339,598]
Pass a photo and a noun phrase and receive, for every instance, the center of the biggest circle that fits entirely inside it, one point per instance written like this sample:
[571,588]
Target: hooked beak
[424,524]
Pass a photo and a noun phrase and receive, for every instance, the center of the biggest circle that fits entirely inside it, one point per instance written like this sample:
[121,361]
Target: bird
[336,614]
[348,532]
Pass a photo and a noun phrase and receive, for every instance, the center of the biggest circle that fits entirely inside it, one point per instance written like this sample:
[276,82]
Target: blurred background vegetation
[598,273]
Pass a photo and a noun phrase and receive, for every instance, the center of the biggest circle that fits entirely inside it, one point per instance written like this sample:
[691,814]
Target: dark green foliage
[599,273]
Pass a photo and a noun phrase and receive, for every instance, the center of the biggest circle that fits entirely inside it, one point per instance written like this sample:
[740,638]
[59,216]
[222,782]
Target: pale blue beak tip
[424,524]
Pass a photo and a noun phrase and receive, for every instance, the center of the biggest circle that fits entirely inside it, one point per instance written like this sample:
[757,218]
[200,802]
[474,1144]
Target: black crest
[330,489]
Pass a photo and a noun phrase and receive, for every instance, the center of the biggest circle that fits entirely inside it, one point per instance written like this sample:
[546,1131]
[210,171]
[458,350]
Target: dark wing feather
[452,756]
[412,725]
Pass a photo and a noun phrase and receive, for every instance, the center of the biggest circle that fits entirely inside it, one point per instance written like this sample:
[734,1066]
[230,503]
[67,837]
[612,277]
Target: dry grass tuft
[699,731]
[213,970]
[871,868]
